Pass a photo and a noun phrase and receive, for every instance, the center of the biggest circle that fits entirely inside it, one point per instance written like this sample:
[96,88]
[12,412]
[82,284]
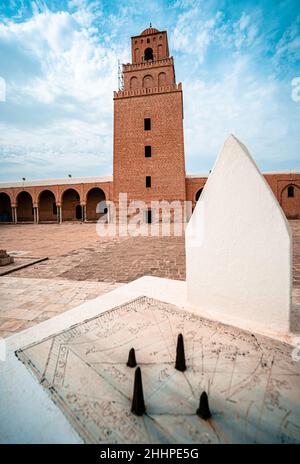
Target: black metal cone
[138,404]
[131,358]
[203,410]
[180,357]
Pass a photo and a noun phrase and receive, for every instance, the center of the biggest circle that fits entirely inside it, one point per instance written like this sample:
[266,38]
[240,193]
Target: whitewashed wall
[238,247]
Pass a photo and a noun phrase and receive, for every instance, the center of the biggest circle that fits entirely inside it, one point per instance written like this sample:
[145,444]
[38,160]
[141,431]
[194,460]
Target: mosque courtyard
[81,266]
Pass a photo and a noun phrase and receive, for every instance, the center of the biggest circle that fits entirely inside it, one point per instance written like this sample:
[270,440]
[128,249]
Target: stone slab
[251,380]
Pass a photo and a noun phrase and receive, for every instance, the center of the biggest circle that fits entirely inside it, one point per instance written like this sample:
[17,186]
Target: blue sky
[236,60]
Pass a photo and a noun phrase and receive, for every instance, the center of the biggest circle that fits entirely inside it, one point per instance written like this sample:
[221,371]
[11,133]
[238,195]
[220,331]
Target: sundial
[251,381]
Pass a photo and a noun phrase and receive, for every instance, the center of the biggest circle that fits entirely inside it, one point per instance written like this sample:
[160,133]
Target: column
[14,214]
[37,215]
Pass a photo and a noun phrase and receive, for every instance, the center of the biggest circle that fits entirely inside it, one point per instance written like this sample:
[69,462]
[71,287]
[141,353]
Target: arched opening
[94,197]
[5,208]
[133,83]
[147,81]
[198,194]
[47,206]
[148,55]
[25,207]
[70,203]
[290,201]
[162,79]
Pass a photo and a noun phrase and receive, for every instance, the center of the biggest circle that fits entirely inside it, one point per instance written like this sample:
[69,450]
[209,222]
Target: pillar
[83,212]
[14,214]
[36,214]
[59,213]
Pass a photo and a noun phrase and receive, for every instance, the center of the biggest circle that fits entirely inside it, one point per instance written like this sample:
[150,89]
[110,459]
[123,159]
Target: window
[148,41]
[149,216]
[148,181]
[148,151]
[54,209]
[148,81]
[133,82]
[148,55]
[290,191]
[147,124]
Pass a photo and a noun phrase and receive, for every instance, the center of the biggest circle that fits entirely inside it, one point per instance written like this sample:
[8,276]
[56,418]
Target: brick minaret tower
[148,124]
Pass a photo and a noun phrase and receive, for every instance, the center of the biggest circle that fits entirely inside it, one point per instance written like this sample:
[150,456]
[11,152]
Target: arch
[133,83]
[25,207]
[137,55]
[162,78]
[94,196]
[148,54]
[290,201]
[159,51]
[198,194]
[70,200]
[5,208]
[147,81]
[47,206]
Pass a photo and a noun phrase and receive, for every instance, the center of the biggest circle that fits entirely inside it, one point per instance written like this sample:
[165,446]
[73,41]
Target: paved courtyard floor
[82,265]
[76,252]
[26,302]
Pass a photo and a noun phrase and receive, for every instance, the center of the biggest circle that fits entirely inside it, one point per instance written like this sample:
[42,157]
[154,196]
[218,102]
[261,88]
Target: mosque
[148,153]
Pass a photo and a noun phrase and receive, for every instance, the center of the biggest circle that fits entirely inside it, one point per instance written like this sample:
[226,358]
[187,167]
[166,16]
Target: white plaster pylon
[238,247]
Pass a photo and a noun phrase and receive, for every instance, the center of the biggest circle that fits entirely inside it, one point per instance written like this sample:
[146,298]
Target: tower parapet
[150,90]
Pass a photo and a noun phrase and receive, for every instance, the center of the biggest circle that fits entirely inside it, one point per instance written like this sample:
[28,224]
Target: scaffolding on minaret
[120,76]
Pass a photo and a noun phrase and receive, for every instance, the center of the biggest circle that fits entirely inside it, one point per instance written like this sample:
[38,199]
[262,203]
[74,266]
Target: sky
[238,61]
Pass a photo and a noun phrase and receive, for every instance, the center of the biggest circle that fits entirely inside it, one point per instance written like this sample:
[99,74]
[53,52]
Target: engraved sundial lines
[252,382]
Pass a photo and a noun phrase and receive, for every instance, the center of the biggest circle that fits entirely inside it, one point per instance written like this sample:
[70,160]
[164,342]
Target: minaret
[148,124]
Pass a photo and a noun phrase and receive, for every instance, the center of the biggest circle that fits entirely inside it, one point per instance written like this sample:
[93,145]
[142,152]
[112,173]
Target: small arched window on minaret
[148,56]
[133,83]
[162,78]
[147,81]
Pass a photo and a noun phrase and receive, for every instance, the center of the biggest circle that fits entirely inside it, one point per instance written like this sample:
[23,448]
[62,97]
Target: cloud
[59,61]
[63,95]
[288,47]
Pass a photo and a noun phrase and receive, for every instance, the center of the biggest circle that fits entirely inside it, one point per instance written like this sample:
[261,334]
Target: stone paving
[118,259]
[26,302]
[40,240]
[76,254]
